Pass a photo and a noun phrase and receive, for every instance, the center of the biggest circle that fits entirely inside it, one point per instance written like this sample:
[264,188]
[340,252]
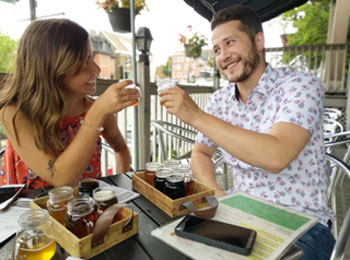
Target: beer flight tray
[172,207]
[85,247]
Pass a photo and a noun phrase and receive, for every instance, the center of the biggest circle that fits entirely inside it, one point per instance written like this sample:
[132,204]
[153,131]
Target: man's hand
[180,104]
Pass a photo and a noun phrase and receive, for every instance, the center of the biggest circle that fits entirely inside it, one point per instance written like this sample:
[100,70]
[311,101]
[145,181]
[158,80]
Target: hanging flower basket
[120,19]
[193,51]
[193,43]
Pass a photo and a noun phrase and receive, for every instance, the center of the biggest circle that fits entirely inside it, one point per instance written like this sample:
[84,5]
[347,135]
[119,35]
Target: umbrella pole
[135,136]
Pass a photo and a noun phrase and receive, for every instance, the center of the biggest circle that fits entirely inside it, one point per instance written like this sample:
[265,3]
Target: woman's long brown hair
[47,52]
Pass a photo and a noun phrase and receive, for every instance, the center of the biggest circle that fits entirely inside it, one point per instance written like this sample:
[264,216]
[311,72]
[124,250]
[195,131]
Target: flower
[193,43]
[110,5]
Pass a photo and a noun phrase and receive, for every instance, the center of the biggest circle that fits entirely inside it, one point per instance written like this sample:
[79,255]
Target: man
[268,124]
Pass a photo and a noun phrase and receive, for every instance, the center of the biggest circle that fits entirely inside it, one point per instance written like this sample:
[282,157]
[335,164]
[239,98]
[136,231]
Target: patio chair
[332,113]
[187,136]
[337,190]
[342,233]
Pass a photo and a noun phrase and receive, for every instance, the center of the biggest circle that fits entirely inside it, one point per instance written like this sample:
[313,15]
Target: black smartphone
[218,234]
[9,193]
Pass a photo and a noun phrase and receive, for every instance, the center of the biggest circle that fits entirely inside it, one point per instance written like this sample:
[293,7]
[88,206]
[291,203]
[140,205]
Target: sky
[166,19]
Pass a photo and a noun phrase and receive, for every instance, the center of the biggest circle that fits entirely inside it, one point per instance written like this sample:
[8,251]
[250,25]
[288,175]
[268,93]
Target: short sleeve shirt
[280,96]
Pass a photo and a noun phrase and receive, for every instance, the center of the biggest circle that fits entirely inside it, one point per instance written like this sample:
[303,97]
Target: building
[104,57]
[189,70]
[119,49]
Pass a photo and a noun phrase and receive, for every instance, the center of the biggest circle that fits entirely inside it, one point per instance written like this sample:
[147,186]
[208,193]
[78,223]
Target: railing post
[144,113]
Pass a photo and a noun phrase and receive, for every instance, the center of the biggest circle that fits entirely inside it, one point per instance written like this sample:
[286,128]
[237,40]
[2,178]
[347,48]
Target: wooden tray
[172,207]
[81,248]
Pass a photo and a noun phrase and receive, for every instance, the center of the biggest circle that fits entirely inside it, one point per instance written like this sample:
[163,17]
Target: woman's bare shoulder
[7,113]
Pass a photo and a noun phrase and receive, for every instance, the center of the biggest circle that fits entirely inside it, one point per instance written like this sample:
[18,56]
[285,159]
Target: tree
[311,22]
[8,49]
[166,69]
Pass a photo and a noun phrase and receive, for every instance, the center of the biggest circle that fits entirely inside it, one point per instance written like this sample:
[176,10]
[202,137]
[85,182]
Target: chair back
[339,190]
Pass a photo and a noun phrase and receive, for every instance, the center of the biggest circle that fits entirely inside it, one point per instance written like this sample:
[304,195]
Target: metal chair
[331,126]
[337,177]
[343,233]
[333,113]
[186,136]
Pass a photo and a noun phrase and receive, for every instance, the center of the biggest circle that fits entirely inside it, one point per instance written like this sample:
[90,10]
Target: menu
[277,228]
[9,218]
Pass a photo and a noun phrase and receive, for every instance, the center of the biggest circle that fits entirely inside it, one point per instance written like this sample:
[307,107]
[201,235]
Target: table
[141,246]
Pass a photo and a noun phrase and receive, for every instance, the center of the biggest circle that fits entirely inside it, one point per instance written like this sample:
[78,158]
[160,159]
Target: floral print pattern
[280,96]
[14,170]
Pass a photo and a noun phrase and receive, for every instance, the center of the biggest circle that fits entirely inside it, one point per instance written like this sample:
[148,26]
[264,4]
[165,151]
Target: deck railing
[330,62]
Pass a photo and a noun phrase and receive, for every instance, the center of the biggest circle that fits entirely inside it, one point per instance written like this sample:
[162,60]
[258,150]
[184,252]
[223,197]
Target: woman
[53,126]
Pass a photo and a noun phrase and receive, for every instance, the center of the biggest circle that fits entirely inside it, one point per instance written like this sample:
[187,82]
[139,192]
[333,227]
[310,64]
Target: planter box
[172,207]
[81,248]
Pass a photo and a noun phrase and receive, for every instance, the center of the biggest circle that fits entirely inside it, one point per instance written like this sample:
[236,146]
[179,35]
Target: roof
[121,43]
[265,9]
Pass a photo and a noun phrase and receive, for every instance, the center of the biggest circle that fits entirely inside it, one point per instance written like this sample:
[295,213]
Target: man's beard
[249,65]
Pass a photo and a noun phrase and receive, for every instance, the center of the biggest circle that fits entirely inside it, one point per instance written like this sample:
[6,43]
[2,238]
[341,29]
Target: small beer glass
[104,197]
[81,216]
[139,93]
[57,202]
[175,187]
[185,171]
[171,163]
[35,239]
[160,178]
[87,185]
[151,168]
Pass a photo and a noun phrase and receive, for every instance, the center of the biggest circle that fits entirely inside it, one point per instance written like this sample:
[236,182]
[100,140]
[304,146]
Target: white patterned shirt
[280,96]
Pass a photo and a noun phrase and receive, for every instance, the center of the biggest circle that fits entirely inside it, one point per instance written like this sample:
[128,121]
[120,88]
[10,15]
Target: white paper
[9,218]
[123,195]
[272,240]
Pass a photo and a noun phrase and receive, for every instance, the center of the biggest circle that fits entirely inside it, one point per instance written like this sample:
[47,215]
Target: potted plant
[193,43]
[119,12]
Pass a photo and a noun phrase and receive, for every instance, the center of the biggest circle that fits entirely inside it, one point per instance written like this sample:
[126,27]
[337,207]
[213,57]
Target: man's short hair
[250,21]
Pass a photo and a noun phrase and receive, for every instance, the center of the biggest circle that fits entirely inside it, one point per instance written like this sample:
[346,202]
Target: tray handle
[206,212]
[105,220]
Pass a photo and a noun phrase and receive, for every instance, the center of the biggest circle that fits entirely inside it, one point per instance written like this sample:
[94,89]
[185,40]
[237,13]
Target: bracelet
[82,122]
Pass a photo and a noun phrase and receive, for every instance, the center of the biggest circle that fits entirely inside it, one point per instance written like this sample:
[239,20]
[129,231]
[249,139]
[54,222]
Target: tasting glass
[35,239]
[160,178]
[151,168]
[139,93]
[57,202]
[87,185]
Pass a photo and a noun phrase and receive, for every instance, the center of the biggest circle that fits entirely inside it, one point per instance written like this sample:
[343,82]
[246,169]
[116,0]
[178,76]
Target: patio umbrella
[266,9]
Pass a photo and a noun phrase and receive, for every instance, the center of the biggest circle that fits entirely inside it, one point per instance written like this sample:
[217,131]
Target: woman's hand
[116,98]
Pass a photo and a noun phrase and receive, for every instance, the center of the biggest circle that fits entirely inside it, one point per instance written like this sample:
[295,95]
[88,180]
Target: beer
[57,202]
[104,197]
[175,186]
[150,172]
[34,239]
[139,94]
[185,171]
[39,247]
[86,186]
[160,178]
[81,216]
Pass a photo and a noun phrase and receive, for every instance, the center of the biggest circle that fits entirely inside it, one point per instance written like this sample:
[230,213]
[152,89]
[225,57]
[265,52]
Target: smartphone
[9,193]
[218,234]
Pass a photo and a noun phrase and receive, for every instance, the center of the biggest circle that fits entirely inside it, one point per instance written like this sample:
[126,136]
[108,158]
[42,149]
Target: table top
[140,246]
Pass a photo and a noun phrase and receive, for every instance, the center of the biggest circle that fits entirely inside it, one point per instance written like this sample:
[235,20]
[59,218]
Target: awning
[266,9]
